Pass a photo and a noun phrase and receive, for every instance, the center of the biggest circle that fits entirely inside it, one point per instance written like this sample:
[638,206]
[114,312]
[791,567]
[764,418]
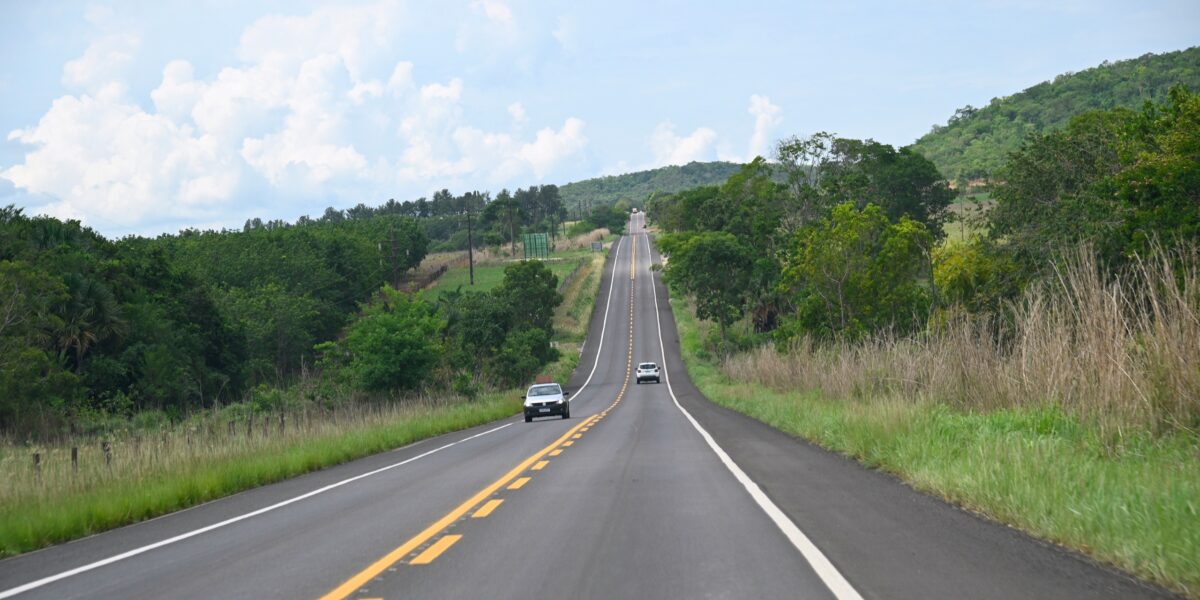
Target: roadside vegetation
[1041,367]
[143,376]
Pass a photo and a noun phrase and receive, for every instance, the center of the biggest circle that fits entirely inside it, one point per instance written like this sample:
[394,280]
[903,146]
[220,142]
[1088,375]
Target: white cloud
[565,34]
[517,112]
[494,10]
[178,93]
[401,78]
[318,106]
[102,63]
[552,147]
[436,92]
[671,149]
[766,117]
[111,163]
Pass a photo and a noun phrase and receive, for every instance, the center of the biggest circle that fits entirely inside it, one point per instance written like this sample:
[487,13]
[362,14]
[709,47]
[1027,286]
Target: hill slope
[976,141]
[636,186]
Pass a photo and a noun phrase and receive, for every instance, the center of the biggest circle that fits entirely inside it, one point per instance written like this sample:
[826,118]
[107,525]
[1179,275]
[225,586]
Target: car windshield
[647,366]
[545,390]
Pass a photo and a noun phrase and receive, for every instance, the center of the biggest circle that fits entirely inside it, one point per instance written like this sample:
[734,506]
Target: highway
[648,491]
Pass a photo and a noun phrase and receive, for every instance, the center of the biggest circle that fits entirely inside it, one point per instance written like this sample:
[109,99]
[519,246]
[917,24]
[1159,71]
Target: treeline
[852,245]
[976,142]
[93,329]
[632,188]
[452,222]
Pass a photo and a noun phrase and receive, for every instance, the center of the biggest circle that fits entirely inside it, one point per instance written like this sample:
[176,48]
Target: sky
[145,117]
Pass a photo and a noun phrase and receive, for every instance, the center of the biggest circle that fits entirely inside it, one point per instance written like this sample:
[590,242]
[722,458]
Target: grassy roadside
[176,468]
[1036,468]
[176,474]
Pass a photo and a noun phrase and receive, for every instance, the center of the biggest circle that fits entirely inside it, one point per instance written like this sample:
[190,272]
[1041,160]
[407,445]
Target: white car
[647,371]
[546,400]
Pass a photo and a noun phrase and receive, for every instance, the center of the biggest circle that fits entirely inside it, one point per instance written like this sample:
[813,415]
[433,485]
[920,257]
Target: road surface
[649,491]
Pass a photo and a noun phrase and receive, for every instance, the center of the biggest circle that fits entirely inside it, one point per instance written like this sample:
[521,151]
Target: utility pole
[395,269]
[470,241]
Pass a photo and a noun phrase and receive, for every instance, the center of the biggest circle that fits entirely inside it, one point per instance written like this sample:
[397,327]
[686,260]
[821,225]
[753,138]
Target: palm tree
[91,314]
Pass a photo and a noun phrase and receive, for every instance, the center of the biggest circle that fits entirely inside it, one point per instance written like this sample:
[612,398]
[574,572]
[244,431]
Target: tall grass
[1122,352]
[149,475]
[1074,418]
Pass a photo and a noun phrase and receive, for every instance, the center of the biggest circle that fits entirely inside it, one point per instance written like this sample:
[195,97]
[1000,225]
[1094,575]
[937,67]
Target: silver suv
[546,400]
[647,371]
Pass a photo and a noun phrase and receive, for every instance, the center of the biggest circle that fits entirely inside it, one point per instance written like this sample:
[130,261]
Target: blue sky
[147,117]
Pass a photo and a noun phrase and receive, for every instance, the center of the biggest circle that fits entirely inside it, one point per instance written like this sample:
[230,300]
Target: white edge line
[195,532]
[833,579]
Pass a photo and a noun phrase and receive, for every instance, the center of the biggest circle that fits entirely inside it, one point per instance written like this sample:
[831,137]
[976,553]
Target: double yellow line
[353,584]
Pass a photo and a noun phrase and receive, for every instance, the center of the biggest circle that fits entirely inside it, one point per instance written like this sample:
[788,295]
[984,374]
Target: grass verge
[1052,475]
[177,478]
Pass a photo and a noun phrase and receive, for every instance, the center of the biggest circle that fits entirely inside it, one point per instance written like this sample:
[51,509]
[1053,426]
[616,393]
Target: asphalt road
[649,491]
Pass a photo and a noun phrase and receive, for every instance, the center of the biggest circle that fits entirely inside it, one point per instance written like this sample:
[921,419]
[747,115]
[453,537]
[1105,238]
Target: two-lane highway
[648,491]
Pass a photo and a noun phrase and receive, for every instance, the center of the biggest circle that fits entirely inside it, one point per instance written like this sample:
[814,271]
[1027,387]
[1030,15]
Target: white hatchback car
[647,371]
[546,400]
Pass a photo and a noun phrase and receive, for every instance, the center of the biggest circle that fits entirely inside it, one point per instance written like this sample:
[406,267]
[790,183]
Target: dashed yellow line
[431,553]
[443,543]
[487,509]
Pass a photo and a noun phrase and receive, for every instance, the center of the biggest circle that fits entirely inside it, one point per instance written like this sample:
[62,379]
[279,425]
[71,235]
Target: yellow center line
[577,436]
[541,464]
[487,508]
[435,550]
[356,582]
[349,586]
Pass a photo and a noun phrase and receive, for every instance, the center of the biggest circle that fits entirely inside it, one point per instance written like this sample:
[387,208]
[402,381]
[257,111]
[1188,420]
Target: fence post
[74,460]
[37,465]
[250,425]
[107,448]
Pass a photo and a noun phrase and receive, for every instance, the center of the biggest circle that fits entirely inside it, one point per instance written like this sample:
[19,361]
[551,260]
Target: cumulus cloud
[494,10]
[766,117]
[102,63]
[672,149]
[517,111]
[318,106]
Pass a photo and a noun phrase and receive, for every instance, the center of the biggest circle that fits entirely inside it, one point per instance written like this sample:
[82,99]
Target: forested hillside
[634,187]
[975,142]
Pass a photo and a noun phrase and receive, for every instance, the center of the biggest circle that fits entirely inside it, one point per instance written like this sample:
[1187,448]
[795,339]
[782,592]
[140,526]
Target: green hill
[635,187]
[976,141]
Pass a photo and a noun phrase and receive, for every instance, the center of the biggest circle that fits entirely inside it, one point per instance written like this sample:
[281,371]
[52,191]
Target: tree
[530,290]
[855,272]
[713,268]
[1118,179]
[394,344]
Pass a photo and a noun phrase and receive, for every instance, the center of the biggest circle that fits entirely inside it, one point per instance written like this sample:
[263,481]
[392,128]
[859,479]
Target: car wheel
[528,419]
[567,412]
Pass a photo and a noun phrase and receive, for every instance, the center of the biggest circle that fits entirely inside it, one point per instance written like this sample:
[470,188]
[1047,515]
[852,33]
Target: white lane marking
[183,536]
[604,324]
[833,579]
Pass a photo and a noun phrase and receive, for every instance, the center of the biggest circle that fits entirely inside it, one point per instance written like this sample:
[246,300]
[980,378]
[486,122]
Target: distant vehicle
[647,371]
[546,400]
[635,211]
